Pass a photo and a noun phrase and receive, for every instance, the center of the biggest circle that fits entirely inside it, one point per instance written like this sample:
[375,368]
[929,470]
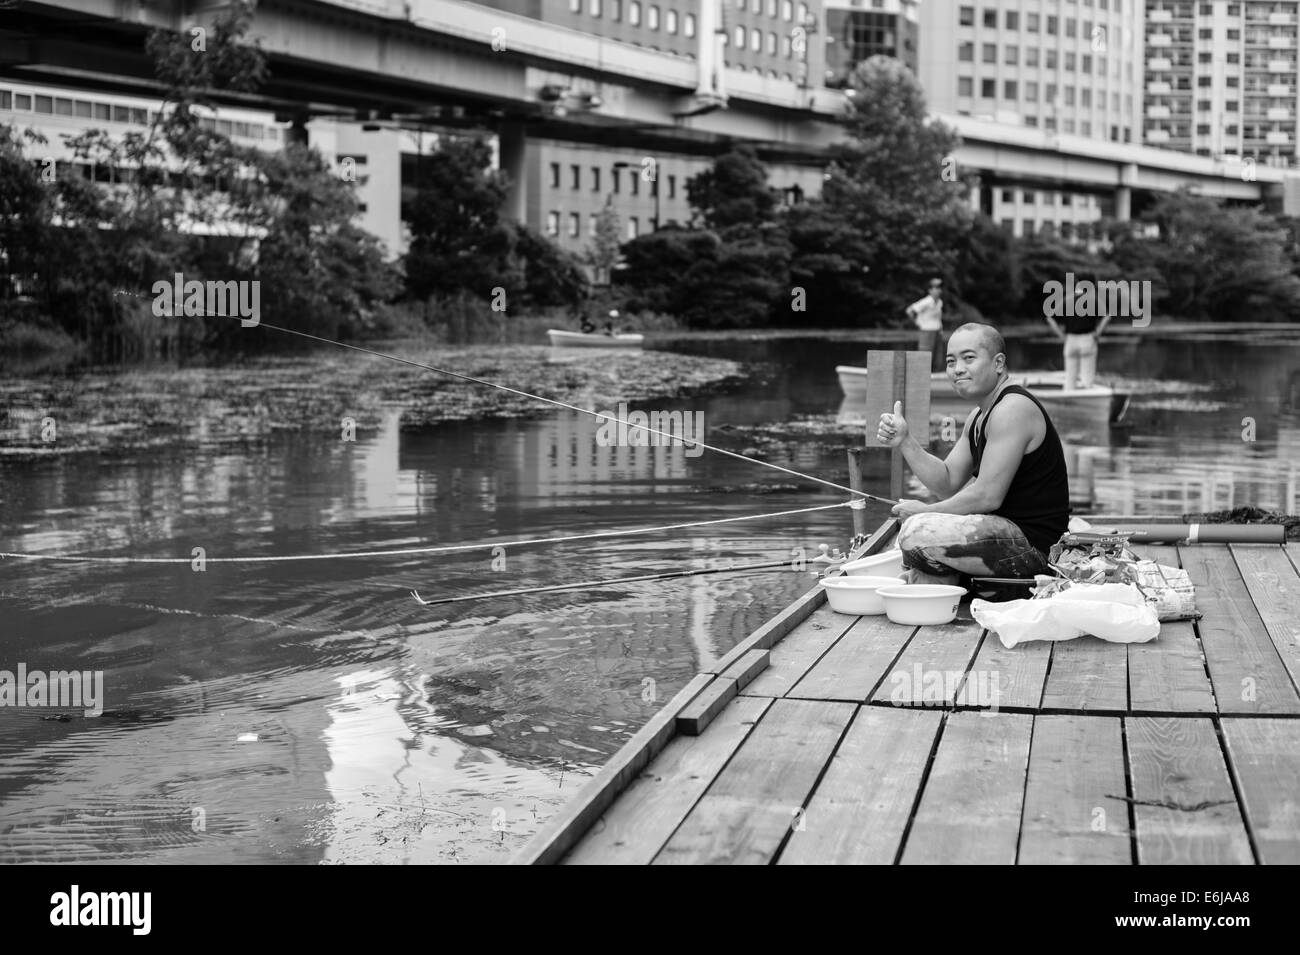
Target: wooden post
[858,507]
[898,376]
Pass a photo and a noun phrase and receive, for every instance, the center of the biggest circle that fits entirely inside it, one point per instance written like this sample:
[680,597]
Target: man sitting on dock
[1003,494]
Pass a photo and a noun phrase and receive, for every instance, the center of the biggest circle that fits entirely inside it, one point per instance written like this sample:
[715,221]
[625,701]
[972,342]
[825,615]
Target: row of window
[1254,11]
[1070,127]
[1249,131]
[736,41]
[614,10]
[615,181]
[1011,57]
[1051,22]
[574,225]
[1011,91]
[112,113]
[1081,231]
[1030,198]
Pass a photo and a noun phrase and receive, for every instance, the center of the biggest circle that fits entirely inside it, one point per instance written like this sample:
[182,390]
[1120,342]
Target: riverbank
[115,410]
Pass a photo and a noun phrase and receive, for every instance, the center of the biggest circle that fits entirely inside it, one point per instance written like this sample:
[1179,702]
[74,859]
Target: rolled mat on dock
[1194,533]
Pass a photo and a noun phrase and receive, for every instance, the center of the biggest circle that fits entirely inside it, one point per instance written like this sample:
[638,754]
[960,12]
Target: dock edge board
[563,831]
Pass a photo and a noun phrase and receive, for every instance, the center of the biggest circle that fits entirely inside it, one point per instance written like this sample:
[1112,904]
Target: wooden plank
[1184,808]
[1089,675]
[861,807]
[1021,670]
[1075,813]
[852,668]
[1168,674]
[768,635]
[1274,586]
[1264,757]
[747,667]
[642,819]
[970,809]
[797,652]
[553,840]
[699,713]
[1247,674]
[760,795]
[931,669]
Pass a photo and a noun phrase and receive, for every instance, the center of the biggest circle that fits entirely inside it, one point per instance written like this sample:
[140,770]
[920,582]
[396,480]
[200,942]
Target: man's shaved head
[989,339]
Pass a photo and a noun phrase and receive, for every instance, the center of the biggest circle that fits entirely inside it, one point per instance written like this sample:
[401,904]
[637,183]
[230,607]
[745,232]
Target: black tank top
[1038,500]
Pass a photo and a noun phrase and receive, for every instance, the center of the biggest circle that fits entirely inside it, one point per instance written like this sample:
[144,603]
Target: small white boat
[1047,386]
[561,338]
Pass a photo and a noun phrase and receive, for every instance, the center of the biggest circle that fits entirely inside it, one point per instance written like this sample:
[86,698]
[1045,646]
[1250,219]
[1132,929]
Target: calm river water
[315,712]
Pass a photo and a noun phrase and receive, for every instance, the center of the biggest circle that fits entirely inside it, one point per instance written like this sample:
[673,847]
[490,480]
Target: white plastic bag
[1114,612]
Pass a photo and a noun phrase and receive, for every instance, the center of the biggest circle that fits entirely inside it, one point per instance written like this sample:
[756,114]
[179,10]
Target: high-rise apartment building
[1221,78]
[857,30]
[1066,66]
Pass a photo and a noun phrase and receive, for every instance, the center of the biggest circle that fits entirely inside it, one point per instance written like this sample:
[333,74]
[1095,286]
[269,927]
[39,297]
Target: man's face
[971,369]
[936,292]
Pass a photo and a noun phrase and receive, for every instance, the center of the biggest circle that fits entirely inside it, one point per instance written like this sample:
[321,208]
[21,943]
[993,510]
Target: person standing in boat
[927,313]
[1004,495]
[1080,341]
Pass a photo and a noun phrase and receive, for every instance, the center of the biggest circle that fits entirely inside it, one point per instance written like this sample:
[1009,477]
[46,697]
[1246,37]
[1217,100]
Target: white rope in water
[453,548]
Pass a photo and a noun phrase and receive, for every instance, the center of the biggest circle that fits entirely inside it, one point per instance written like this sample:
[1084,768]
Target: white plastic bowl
[921,604]
[888,564]
[857,595]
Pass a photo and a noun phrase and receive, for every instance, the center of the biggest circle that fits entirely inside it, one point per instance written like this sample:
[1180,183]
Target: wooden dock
[826,738]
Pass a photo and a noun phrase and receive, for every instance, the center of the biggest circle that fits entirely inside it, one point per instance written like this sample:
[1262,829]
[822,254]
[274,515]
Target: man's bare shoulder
[1018,412]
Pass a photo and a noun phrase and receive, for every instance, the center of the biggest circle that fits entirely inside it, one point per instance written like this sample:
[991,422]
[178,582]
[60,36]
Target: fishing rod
[600,583]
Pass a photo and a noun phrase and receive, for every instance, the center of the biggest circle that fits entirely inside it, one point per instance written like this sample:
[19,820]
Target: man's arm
[942,477]
[1105,320]
[1056,329]
[1010,430]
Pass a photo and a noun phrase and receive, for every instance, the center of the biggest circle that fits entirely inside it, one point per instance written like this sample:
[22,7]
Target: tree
[895,183]
[734,191]
[458,238]
[603,251]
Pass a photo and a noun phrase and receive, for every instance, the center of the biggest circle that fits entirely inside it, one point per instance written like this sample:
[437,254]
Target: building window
[594,7]
[1085,97]
[45,104]
[1031,92]
[1051,26]
[803,13]
[1234,34]
[595,179]
[1031,22]
[614,184]
[592,221]
[771,44]
[1031,56]
[672,187]
[636,183]
[634,13]
[990,18]
[652,17]
[575,225]
[1009,89]
[633,226]
[966,52]
[1086,62]
[740,38]
[616,10]
[1031,121]
[552,223]
[1069,61]
[575,173]
[786,46]
[688,25]
[1051,59]
[988,88]
[1027,228]
[1008,225]
[670,21]
[771,9]
[575,6]
[1008,195]
[756,40]
[1050,96]
[1085,128]
[966,16]
[1011,55]
[990,52]
[555,175]
[1013,20]
[965,86]
[1202,129]
[787,10]
[1071,26]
